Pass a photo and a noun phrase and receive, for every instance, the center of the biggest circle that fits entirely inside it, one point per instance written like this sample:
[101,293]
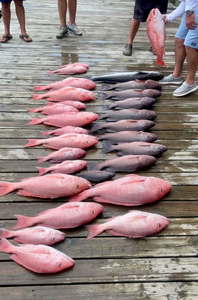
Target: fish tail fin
[107,146]
[93,230]
[106,87]
[32,143]
[39,88]
[93,166]
[35,121]
[79,197]
[40,160]
[5,246]
[42,171]
[94,127]
[36,97]
[160,62]
[106,106]
[22,222]
[46,133]
[4,233]
[33,110]
[6,187]
[102,96]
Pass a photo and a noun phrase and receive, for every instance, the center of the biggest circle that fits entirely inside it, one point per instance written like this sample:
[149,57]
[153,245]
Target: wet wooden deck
[161,267]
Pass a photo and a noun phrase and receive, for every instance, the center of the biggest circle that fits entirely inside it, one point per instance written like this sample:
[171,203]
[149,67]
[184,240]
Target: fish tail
[42,171]
[22,222]
[94,127]
[41,160]
[6,187]
[106,107]
[160,62]
[33,110]
[35,121]
[103,96]
[4,233]
[106,87]
[93,230]
[107,146]
[36,97]
[46,132]
[39,88]
[32,143]
[5,246]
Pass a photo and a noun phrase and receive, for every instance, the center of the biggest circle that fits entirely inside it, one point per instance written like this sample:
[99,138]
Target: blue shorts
[190,37]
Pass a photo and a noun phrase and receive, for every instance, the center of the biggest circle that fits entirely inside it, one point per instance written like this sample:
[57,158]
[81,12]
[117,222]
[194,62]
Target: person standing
[71,26]
[6,14]
[141,12]
[186,47]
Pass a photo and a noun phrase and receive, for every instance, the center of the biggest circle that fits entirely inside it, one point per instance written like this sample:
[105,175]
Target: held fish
[135,148]
[123,125]
[34,235]
[156,34]
[37,258]
[47,186]
[127,76]
[137,103]
[128,137]
[126,163]
[63,154]
[82,83]
[53,110]
[66,129]
[135,224]
[133,84]
[122,95]
[67,215]
[66,167]
[131,113]
[72,140]
[130,190]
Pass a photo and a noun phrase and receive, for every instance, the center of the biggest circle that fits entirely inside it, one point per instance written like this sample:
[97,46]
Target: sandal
[25,38]
[6,38]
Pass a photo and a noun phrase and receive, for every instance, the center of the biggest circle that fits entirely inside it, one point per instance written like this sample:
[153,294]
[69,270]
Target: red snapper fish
[70,81]
[62,154]
[58,108]
[34,235]
[135,224]
[37,258]
[67,93]
[77,119]
[130,190]
[76,104]
[67,215]
[66,167]
[72,140]
[66,129]
[156,34]
[47,186]
[71,69]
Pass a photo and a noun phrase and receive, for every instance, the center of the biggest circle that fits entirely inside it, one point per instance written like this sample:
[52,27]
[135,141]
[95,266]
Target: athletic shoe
[127,50]
[185,89]
[170,80]
[63,31]
[74,29]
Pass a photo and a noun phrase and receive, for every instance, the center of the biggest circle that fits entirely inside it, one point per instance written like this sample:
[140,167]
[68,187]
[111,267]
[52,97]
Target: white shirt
[180,10]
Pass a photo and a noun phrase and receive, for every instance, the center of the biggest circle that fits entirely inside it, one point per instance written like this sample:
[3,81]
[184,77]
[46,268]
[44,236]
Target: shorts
[143,7]
[190,37]
[8,1]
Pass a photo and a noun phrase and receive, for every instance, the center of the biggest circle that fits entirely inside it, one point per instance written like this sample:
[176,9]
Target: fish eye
[59,264]
[159,225]
[161,190]
[93,212]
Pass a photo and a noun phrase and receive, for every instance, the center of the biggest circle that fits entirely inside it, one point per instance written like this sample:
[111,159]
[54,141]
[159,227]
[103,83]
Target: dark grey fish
[123,114]
[138,103]
[135,148]
[122,125]
[130,94]
[133,84]
[128,137]
[127,76]
[127,163]
[96,175]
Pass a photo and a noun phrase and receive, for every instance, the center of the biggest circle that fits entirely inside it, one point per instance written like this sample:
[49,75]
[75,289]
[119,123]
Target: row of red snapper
[130,190]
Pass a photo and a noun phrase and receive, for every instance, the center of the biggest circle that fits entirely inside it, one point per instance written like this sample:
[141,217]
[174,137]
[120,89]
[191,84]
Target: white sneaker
[170,80]
[185,89]
[74,29]
[63,31]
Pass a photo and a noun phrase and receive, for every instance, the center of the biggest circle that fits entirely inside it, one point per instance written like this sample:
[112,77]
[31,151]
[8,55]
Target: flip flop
[6,38]
[25,37]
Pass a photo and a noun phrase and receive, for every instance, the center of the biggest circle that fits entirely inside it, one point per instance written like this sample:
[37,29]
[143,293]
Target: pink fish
[76,104]
[66,129]
[135,224]
[79,119]
[70,81]
[62,154]
[66,167]
[131,190]
[67,93]
[48,186]
[72,140]
[58,108]
[34,235]
[70,69]
[156,34]
[67,215]
[75,64]
[37,258]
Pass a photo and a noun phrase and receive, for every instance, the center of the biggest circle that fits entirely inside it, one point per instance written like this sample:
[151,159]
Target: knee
[5,6]
[179,42]
[18,3]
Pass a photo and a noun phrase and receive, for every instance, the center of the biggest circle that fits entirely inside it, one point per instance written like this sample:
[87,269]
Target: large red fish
[57,108]
[37,258]
[156,34]
[66,167]
[66,129]
[129,190]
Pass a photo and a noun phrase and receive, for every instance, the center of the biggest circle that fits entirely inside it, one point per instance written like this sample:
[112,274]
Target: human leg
[6,12]
[132,33]
[72,7]
[20,12]
[62,10]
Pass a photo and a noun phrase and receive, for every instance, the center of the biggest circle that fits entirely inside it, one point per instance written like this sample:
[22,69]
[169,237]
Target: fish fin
[101,116]
[79,197]
[42,171]
[39,88]
[22,222]
[107,146]
[6,187]
[103,96]
[25,193]
[37,97]
[94,127]
[4,233]
[160,62]
[41,159]
[46,133]
[51,147]
[107,87]
[5,246]
[106,107]
[32,143]
[93,230]
[93,166]
[35,121]
[33,110]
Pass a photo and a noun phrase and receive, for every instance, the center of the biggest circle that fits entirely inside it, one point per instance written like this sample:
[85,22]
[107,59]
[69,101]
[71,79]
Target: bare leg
[133,30]
[72,4]
[6,13]
[192,62]
[62,10]
[180,55]
[20,12]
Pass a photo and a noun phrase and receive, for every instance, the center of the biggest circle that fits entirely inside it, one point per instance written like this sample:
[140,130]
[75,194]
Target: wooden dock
[160,267]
